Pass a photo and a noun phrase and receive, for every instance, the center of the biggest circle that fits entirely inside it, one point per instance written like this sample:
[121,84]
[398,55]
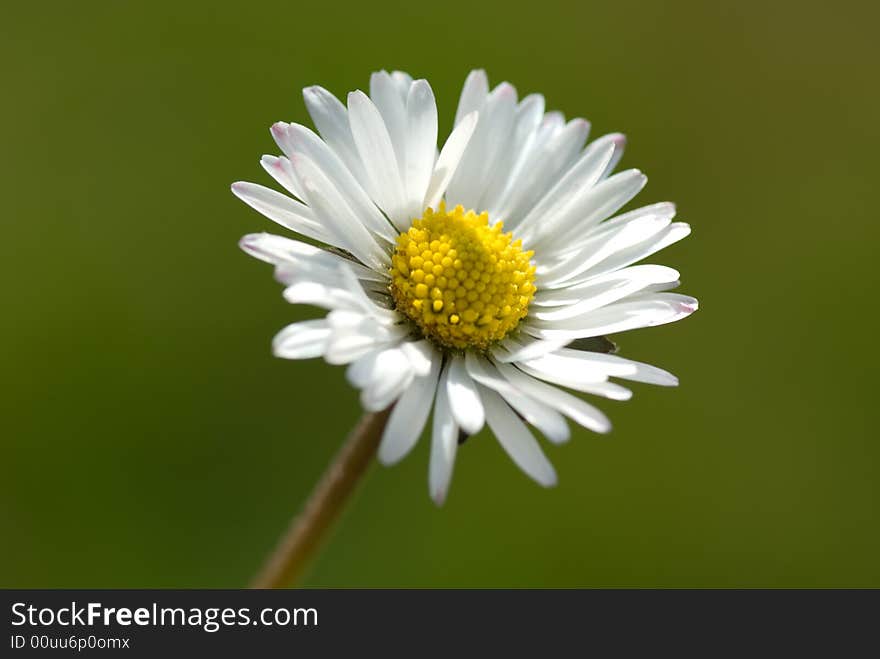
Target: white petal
[516,439]
[661,214]
[485,373]
[662,239]
[347,319]
[360,372]
[621,367]
[473,94]
[402,81]
[470,179]
[280,208]
[347,346]
[450,156]
[421,144]
[577,410]
[620,144]
[303,340]
[509,165]
[664,209]
[409,415]
[578,267]
[329,281]
[631,313]
[297,261]
[381,315]
[323,268]
[513,143]
[276,249]
[599,203]
[526,347]
[385,94]
[421,356]
[320,294]
[544,418]
[444,442]
[658,288]
[464,401]
[377,153]
[570,295]
[601,291]
[331,120]
[336,215]
[562,201]
[392,373]
[555,366]
[282,171]
[549,162]
[530,156]
[559,373]
[302,141]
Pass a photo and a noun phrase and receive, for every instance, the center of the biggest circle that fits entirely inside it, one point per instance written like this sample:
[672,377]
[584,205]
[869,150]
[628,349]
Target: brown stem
[290,558]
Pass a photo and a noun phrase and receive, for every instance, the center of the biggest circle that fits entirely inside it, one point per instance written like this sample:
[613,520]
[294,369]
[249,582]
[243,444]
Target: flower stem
[306,531]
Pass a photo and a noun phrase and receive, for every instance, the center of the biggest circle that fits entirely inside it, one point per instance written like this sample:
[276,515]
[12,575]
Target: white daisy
[464,280]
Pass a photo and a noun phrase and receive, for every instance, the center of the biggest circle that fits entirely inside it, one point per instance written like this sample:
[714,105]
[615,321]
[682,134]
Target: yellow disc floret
[466,284]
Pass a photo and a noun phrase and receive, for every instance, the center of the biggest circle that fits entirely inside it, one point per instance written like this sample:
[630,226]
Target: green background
[149,438]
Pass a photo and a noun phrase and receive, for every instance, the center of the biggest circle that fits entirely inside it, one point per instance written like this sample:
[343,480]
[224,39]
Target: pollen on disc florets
[466,284]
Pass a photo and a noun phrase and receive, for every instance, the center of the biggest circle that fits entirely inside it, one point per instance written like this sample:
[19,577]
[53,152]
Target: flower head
[461,280]
[466,281]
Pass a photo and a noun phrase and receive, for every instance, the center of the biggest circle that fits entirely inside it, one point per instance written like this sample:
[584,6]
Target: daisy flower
[478,280]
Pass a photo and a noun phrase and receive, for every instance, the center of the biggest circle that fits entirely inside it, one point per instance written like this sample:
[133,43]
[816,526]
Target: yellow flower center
[464,283]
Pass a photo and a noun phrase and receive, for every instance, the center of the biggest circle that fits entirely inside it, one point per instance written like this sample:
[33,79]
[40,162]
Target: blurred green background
[149,438]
